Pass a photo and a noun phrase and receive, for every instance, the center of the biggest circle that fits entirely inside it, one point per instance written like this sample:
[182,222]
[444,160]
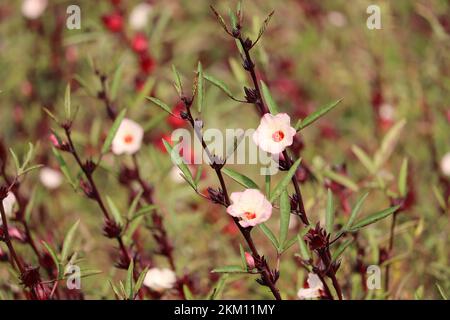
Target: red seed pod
[139,43]
[113,22]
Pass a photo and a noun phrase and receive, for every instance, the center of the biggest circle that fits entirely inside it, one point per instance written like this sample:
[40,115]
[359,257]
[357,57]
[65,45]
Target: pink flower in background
[54,140]
[314,288]
[50,178]
[139,43]
[445,164]
[8,204]
[160,279]
[33,9]
[138,18]
[274,133]
[128,138]
[251,206]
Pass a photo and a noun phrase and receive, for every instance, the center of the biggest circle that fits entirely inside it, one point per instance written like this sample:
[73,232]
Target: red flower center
[128,139]
[278,136]
[250,215]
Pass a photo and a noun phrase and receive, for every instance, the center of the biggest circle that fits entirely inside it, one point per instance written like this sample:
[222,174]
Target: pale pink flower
[315,288]
[160,279]
[274,133]
[50,178]
[251,206]
[128,138]
[33,9]
[8,204]
[138,18]
[445,164]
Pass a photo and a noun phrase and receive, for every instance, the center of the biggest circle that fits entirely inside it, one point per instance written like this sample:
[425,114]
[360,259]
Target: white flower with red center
[50,178]
[250,206]
[128,138]
[274,133]
[8,205]
[160,279]
[33,9]
[445,164]
[139,16]
[314,288]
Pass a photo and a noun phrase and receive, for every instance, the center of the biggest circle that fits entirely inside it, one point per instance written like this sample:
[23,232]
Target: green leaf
[53,255]
[263,27]
[229,269]
[285,181]
[116,81]
[285,214]
[317,115]
[50,114]
[64,168]
[114,211]
[402,178]
[341,179]
[243,260]
[217,290]
[329,218]
[304,252]
[187,293]
[372,218]
[341,249]
[271,104]
[269,234]
[67,102]
[233,18]
[68,241]
[161,104]
[356,210]
[220,20]
[129,281]
[388,144]
[134,204]
[240,178]
[439,197]
[364,159]
[140,281]
[200,88]
[178,85]
[16,160]
[219,84]
[289,244]
[179,162]
[267,183]
[112,132]
[116,291]
[30,205]
[441,292]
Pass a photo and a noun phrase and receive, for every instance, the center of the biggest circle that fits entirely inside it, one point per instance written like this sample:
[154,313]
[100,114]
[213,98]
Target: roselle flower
[313,289]
[113,22]
[250,206]
[274,133]
[146,63]
[139,43]
[33,9]
[8,204]
[445,164]
[128,138]
[160,279]
[50,178]
[138,18]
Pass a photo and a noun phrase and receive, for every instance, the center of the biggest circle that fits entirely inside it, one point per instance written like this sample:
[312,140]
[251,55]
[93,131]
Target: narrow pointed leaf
[240,178]
[271,104]
[285,181]
[329,218]
[364,158]
[317,115]
[68,241]
[112,132]
[200,88]
[229,269]
[114,211]
[285,214]
[116,81]
[372,218]
[269,234]
[67,102]
[178,84]
[403,178]
[219,84]
[178,161]
[341,179]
